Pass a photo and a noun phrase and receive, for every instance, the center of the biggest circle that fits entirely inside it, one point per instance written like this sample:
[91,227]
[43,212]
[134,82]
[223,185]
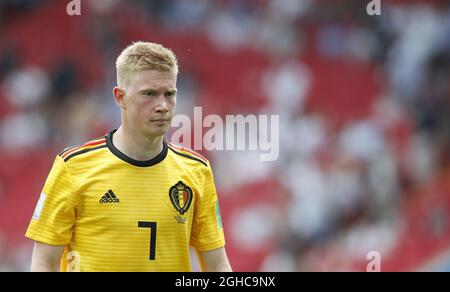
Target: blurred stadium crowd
[364,105]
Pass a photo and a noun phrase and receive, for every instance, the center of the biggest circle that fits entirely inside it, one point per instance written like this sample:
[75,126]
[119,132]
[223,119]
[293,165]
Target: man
[131,201]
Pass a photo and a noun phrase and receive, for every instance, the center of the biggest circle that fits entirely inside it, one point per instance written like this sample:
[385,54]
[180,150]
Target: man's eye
[170,94]
[150,93]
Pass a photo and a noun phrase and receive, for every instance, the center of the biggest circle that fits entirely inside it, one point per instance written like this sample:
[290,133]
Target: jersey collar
[141,163]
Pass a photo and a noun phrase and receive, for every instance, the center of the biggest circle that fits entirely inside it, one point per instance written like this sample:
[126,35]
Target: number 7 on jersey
[152,226]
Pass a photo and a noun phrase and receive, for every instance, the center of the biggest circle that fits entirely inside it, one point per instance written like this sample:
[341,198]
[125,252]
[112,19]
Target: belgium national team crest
[181,197]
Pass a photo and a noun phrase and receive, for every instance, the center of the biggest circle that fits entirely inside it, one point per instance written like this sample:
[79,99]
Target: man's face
[149,102]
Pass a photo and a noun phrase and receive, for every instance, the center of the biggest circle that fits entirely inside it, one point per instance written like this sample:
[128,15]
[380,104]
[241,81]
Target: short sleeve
[207,231]
[54,214]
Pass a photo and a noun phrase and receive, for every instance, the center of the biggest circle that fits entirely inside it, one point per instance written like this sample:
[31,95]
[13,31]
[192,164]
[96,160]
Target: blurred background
[364,105]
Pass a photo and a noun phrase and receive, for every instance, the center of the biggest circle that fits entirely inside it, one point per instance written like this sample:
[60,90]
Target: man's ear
[119,95]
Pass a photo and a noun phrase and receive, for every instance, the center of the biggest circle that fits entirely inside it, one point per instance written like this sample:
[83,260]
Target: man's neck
[137,146]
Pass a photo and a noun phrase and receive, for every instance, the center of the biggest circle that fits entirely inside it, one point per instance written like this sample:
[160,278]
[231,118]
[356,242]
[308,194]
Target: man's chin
[158,132]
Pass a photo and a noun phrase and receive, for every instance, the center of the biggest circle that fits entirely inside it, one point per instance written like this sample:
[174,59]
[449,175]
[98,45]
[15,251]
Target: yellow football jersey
[114,213]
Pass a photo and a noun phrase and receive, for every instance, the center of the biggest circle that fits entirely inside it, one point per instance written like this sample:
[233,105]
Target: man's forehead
[155,79]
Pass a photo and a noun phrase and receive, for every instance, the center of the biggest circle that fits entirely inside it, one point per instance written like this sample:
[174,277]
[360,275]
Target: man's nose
[162,105]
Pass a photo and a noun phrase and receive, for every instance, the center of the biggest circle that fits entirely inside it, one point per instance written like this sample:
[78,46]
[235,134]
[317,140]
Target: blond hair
[141,56]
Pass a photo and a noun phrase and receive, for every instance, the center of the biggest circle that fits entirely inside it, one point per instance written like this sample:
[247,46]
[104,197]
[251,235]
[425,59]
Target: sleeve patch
[218,215]
[39,206]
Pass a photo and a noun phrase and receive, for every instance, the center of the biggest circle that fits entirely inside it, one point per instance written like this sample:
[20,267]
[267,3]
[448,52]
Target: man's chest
[120,199]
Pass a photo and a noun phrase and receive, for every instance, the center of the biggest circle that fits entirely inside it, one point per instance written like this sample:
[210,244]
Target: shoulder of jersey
[187,153]
[92,145]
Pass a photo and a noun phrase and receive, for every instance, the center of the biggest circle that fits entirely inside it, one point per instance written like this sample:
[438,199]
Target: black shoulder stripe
[188,156]
[68,149]
[73,147]
[84,151]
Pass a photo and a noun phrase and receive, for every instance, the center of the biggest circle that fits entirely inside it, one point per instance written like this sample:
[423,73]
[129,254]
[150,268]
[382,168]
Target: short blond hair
[141,56]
